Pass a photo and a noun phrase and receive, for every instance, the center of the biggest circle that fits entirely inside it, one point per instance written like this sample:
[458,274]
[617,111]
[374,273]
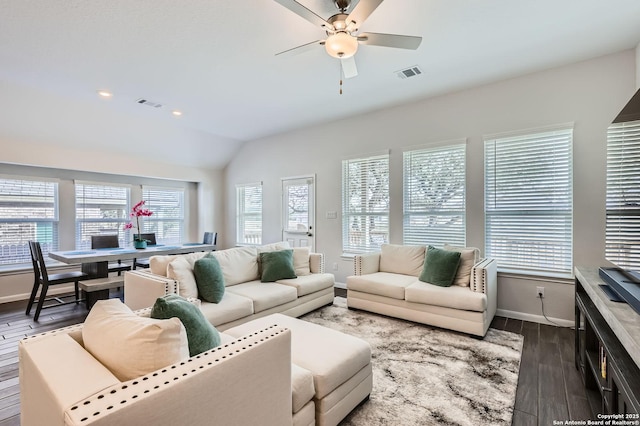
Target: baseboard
[340,285]
[534,318]
[25,296]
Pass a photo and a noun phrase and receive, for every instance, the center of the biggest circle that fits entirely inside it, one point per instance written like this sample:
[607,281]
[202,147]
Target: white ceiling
[215,59]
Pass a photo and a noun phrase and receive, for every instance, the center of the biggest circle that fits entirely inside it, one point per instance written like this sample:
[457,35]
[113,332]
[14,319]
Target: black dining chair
[210,238]
[110,241]
[44,280]
[151,241]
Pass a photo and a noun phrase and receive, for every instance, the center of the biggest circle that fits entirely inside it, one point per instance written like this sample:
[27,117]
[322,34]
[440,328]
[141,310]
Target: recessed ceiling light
[105,94]
[176,113]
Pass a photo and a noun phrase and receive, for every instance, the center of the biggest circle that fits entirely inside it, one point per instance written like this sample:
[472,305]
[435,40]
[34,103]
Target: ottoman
[340,364]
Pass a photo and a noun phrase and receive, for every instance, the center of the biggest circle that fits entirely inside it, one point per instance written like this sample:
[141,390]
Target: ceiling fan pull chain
[341,78]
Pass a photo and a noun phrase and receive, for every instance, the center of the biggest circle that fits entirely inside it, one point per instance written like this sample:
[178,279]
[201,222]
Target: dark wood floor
[549,386]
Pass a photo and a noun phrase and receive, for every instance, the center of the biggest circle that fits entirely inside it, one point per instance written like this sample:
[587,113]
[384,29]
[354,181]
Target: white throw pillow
[469,256]
[181,270]
[401,259]
[301,260]
[280,245]
[239,265]
[158,264]
[131,346]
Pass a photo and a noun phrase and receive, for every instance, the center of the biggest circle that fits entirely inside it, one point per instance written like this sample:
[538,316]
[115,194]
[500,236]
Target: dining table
[95,262]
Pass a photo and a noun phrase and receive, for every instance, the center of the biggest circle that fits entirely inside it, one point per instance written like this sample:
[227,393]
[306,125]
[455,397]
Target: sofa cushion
[301,260]
[280,245]
[277,265]
[454,297]
[232,307]
[265,295]
[469,256]
[158,264]
[209,278]
[308,284]
[129,345]
[181,270]
[440,266]
[302,389]
[201,335]
[381,283]
[239,264]
[401,259]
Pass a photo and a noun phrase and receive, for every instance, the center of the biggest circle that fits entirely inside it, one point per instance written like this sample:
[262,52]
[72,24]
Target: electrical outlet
[335,266]
[540,292]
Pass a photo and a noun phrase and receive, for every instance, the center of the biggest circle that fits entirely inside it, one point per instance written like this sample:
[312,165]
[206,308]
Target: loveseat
[388,282]
[245,296]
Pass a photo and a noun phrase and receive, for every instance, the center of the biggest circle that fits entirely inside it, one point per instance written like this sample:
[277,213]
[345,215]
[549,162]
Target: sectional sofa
[387,282]
[245,296]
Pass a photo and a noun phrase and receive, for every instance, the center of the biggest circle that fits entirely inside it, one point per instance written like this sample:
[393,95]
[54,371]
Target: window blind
[101,209]
[365,203]
[167,220]
[28,212]
[434,196]
[623,194]
[529,202]
[249,213]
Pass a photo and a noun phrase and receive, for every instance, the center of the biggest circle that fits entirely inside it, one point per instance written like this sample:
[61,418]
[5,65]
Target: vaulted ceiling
[215,61]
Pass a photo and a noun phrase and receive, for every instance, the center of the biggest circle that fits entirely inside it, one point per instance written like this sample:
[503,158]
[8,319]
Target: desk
[95,262]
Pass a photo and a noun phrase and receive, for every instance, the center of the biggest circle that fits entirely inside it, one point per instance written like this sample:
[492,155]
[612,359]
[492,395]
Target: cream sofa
[387,283]
[245,297]
[244,381]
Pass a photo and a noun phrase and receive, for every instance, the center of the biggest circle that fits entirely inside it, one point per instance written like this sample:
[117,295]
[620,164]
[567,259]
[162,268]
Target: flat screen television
[623,206]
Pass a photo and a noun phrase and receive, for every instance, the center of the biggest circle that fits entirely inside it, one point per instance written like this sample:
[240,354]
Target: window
[365,203]
[623,194]
[101,209]
[434,196]
[529,202]
[28,212]
[167,220]
[249,213]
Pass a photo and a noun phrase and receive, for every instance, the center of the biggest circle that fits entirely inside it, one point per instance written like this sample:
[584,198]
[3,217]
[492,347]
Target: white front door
[298,211]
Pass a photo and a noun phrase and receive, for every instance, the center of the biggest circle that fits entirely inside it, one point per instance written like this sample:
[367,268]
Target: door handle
[309,234]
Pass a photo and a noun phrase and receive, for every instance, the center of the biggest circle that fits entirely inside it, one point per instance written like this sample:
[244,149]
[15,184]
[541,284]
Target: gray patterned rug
[429,376]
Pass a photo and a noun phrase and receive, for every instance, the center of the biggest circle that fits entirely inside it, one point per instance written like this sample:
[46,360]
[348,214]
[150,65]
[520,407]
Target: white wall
[590,94]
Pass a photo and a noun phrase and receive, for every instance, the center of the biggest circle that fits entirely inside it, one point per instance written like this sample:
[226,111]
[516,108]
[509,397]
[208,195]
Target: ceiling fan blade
[361,12]
[390,40]
[305,13]
[301,49]
[349,68]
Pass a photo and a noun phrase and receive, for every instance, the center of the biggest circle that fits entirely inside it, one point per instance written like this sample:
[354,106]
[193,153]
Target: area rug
[428,376]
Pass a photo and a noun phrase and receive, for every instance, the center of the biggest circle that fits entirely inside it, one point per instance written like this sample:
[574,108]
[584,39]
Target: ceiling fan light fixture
[341,45]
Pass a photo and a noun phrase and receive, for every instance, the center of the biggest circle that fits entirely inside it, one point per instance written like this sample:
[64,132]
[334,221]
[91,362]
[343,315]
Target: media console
[607,345]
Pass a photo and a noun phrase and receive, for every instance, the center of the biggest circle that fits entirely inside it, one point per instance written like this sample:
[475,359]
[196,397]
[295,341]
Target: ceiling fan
[342,39]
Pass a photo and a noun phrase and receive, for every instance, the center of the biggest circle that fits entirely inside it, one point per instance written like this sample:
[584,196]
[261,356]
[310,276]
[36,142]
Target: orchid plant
[137,211]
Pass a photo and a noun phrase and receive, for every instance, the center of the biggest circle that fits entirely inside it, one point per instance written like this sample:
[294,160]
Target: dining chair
[110,241]
[151,241]
[44,280]
[210,238]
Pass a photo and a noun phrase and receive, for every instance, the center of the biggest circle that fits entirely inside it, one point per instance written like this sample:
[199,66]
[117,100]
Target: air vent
[147,102]
[409,72]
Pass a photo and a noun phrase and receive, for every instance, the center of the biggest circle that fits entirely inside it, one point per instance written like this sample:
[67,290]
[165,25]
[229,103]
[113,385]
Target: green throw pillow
[201,335]
[277,265]
[209,278]
[440,267]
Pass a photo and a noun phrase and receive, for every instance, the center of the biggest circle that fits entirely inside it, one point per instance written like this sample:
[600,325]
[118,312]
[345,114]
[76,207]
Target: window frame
[370,213]
[18,255]
[242,215]
[415,207]
[524,187]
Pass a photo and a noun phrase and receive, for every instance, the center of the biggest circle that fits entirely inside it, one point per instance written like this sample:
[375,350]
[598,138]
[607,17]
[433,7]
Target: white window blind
[167,220]
[365,203]
[529,202]
[101,209]
[28,212]
[434,196]
[249,213]
[623,194]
